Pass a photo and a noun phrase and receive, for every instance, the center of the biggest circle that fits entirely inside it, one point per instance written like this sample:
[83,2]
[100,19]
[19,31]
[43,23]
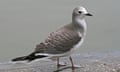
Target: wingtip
[19,58]
[29,58]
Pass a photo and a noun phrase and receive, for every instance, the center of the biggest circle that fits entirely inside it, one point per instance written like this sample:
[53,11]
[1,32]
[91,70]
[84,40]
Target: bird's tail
[30,57]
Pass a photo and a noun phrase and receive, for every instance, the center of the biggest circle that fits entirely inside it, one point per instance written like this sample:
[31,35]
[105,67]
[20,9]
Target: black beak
[88,14]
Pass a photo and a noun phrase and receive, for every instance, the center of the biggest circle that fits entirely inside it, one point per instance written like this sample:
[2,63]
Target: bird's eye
[79,12]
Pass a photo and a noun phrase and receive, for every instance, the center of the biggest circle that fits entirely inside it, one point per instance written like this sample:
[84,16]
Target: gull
[64,41]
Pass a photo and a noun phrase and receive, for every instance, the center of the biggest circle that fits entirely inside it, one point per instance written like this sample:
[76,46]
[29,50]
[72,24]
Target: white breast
[79,43]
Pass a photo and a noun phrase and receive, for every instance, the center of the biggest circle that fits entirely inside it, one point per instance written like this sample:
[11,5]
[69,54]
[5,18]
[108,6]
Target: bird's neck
[80,22]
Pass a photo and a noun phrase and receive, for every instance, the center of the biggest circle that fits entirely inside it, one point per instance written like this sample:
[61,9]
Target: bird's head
[81,12]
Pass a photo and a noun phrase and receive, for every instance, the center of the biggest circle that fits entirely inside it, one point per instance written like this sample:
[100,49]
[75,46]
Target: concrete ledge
[90,62]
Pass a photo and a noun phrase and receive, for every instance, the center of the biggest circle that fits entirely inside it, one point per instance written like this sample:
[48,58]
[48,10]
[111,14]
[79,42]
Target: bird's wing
[62,40]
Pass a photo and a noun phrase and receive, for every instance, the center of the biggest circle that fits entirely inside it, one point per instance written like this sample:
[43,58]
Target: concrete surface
[89,62]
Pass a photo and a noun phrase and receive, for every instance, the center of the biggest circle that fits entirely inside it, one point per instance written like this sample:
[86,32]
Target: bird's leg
[72,63]
[74,66]
[59,64]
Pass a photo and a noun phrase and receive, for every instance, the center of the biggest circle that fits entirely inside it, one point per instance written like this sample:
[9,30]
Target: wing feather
[60,41]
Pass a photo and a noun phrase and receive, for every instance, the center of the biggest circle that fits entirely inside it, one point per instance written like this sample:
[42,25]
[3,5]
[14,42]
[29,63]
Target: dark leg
[71,62]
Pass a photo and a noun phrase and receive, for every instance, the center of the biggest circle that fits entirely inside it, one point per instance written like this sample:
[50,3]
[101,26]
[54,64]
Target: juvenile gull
[63,41]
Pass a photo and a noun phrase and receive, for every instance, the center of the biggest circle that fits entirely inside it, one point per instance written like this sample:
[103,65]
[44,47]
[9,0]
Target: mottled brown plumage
[60,41]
